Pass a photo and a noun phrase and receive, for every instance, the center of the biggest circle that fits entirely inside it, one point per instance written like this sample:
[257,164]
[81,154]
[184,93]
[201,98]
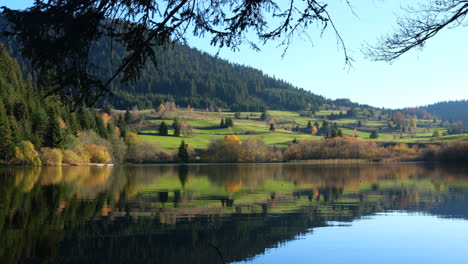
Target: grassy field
[205,128]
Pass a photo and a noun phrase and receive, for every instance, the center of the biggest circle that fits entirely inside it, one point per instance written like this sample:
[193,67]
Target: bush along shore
[89,149]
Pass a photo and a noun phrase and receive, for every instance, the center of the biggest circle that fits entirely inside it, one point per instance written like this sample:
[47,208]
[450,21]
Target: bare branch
[415,29]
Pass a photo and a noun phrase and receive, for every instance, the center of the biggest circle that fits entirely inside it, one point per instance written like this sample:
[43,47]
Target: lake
[246,213]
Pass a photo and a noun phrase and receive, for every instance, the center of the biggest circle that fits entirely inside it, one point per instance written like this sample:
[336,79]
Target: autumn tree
[314,130]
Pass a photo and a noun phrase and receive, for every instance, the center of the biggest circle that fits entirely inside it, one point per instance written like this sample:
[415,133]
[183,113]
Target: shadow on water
[206,213]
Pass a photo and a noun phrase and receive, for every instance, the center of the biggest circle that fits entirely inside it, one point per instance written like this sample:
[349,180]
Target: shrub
[70,156]
[98,154]
[132,138]
[25,154]
[146,153]
[115,146]
[51,157]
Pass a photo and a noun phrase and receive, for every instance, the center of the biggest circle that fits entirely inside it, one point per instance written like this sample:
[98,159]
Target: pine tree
[374,135]
[128,117]
[100,127]
[55,137]
[183,153]
[15,131]
[229,122]
[340,133]
[6,145]
[122,126]
[176,126]
[272,127]
[163,129]
[221,125]
[309,125]
[110,130]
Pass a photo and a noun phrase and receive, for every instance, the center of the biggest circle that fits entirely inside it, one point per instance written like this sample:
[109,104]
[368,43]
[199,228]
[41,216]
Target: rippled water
[264,213]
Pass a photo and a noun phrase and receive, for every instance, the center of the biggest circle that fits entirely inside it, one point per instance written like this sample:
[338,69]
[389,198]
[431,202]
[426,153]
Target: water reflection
[183,214]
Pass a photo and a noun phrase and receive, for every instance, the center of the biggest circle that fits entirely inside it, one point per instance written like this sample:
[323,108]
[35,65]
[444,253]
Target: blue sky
[436,73]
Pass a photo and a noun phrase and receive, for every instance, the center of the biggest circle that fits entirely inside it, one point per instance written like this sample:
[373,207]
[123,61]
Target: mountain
[450,110]
[189,76]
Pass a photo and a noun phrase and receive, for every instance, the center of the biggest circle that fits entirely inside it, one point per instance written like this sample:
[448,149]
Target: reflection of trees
[76,215]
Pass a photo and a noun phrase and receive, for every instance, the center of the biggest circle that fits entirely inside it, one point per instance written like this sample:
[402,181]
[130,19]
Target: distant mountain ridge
[450,110]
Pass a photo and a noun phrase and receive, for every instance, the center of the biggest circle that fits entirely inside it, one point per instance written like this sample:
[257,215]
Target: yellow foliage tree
[232,139]
[98,154]
[25,154]
[106,117]
[314,130]
[70,156]
[132,138]
[51,157]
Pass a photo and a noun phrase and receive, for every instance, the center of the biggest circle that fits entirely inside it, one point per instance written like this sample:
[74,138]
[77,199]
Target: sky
[436,73]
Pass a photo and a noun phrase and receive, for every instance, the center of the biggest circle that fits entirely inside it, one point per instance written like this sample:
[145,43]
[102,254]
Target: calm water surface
[264,213]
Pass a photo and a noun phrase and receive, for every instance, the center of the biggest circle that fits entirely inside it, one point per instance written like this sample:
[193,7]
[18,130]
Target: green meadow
[205,127]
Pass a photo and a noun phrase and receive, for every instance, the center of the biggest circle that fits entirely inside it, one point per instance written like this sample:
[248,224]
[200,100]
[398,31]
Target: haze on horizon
[436,73]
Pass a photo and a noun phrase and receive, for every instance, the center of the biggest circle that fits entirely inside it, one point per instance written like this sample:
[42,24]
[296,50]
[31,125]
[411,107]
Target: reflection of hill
[238,238]
[170,214]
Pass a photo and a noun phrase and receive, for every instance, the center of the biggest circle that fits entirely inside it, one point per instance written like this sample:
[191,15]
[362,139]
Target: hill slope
[191,77]
[450,111]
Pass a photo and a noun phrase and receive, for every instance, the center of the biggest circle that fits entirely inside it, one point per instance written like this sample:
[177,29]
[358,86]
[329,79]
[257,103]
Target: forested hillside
[450,111]
[188,76]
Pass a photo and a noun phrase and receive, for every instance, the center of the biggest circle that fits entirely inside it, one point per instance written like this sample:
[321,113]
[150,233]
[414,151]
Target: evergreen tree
[229,122]
[340,133]
[163,129]
[176,126]
[122,126]
[39,125]
[15,130]
[316,124]
[128,117]
[183,153]
[333,132]
[110,130]
[55,137]
[6,145]
[85,119]
[272,127]
[374,135]
[309,125]
[263,116]
[100,127]
[222,125]
[352,113]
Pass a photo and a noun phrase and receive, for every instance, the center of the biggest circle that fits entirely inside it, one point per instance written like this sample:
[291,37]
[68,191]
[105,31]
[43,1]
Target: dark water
[265,213]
